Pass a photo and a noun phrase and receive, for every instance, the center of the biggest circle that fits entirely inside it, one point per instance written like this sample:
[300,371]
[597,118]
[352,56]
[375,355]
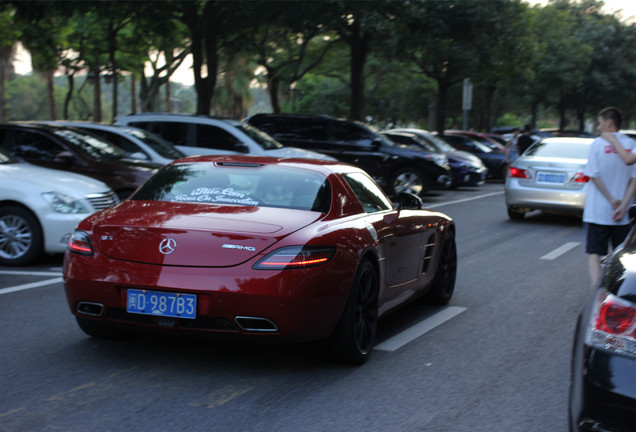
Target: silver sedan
[549,177]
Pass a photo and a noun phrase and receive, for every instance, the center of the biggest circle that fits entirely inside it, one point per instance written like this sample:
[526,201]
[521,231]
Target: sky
[625,8]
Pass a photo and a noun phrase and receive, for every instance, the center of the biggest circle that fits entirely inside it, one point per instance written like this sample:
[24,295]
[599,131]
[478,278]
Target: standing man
[610,192]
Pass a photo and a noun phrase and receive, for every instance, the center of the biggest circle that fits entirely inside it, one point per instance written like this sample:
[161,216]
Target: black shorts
[598,237]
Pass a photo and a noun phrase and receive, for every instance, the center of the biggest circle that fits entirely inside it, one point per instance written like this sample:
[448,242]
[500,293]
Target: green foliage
[560,62]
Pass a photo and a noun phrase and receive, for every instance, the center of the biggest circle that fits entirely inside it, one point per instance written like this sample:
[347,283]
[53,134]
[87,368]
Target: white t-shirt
[604,163]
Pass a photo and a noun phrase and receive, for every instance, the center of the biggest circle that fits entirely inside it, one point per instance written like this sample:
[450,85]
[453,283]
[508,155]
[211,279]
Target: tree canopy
[381,61]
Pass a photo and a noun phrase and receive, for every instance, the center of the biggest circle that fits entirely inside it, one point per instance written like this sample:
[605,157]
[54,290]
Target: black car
[495,160]
[71,149]
[468,170]
[397,168]
[603,370]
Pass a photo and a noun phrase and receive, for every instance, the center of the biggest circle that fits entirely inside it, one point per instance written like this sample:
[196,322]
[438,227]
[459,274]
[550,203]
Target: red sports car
[286,249]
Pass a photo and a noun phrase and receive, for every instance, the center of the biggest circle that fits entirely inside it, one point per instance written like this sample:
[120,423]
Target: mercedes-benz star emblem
[167,246]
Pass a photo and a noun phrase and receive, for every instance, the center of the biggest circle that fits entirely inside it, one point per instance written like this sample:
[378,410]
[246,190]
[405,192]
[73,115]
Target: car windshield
[439,143]
[551,149]
[261,138]
[157,143]
[91,145]
[232,184]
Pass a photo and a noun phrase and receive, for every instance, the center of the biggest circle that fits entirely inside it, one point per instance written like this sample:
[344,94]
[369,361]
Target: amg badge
[232,246]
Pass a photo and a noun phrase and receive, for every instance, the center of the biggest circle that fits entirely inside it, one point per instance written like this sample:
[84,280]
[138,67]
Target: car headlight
[65,204]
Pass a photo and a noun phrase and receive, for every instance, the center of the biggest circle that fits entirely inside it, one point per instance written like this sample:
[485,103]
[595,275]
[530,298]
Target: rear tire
[446,274]
[515,214]
[355,333]
[21,239]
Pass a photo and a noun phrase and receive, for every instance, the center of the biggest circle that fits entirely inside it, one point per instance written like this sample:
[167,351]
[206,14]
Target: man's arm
[615,202]
[619,211]
[628,157]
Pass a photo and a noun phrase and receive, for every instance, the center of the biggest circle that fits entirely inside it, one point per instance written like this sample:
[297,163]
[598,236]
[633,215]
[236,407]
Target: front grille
[103,200]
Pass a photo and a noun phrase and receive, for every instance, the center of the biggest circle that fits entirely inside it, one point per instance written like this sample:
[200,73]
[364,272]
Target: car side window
[173,132]
[368,193]
[118,140]
[212,137]
[35,146]
[352,134]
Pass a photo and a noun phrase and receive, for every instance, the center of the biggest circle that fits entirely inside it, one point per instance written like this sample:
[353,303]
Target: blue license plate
[550,178]
[163,304]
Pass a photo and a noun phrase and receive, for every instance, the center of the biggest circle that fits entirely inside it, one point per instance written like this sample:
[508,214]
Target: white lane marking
[29,273]
[462,200]
[408,335]
[560,251]
[30,285]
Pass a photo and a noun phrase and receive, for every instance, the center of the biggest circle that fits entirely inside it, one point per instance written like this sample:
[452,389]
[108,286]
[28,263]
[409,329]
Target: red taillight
[80,243]
[518,173]
[295,257]
[616,317]
[613,325]
[580,178]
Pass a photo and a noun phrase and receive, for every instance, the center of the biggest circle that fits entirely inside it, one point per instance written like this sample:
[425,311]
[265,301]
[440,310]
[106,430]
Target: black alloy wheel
[354,336]
[444,282]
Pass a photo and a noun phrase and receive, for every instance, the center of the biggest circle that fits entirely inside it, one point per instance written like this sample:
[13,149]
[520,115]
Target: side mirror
[241,148]
[408,201]
[376,143]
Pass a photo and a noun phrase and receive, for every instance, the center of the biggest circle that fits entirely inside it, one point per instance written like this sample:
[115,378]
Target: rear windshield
[570,150]
[248,185]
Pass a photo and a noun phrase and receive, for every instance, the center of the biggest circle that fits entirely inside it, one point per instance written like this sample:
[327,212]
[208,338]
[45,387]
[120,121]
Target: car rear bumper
[546,199]
[607,397]
[277,305]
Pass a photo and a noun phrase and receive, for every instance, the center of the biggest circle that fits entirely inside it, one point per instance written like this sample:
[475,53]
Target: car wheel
[515,214]
[409,180]
[21,239]
[354,336]
[100,330]
[444,281]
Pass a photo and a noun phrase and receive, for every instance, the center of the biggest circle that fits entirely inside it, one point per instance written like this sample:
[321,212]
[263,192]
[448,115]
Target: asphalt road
[496,359]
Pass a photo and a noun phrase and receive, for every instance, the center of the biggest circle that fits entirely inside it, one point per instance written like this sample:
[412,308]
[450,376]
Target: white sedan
[40,207]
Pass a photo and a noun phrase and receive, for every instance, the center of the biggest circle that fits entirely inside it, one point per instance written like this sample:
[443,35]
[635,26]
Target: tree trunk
[3,101]
[272,88]
[440,108]
[69,94]
[133,96]
[50,88]
[97,96]
[168,98]
[359,46]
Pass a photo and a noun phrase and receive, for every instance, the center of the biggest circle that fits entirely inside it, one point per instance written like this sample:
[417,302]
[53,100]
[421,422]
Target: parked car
[478,136]
[397,168]
[602,393]
[70,149]
[138,143]
[495,160]
[549,177]
[468,170]
[297,249]
[203,135]
[40,207]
